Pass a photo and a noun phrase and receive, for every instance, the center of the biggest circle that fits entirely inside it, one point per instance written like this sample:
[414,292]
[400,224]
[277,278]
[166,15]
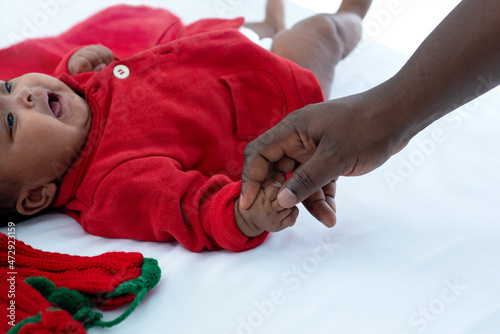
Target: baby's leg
[274,21]
[318,43]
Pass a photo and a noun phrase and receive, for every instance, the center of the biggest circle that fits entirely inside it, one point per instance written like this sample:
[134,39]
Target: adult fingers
[251,181]
[282,167]
[330,190]
[260,155]
[321,204]
[308,178]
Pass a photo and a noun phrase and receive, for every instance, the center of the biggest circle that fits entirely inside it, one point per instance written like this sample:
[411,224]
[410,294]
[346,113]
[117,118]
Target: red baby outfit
[165,149]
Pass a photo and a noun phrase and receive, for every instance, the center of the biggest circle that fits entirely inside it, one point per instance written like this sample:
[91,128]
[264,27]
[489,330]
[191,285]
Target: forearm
[459,61]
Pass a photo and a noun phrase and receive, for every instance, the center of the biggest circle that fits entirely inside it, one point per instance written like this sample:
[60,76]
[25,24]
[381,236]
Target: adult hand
[354,135]
[325,141]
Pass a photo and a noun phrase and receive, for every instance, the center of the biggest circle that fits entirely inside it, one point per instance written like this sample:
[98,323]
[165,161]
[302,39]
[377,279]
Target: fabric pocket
[259,102]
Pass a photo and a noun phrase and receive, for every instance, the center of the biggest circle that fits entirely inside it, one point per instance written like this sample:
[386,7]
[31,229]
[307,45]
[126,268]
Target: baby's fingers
[284,219]
[90,59]
[79,64]
[98,54]
[271,193]
[291,218]
[105,54]
[99,68]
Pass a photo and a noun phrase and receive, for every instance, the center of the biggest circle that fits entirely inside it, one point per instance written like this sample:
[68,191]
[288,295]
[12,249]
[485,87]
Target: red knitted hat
[40,281]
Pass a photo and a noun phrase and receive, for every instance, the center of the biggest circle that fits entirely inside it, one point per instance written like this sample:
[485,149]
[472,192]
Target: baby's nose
[25,96]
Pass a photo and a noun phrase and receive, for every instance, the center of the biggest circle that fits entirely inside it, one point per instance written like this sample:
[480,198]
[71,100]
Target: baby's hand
[93,58]
[265,214]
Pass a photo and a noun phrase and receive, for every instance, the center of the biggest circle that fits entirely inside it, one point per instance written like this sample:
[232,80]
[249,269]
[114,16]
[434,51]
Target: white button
[121,71]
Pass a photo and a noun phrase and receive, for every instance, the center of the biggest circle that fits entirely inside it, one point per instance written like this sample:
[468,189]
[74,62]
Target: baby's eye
[8,86]
[10,121]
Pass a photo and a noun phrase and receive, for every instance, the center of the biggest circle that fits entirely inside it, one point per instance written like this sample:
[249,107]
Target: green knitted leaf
[151,273]
[29,320]
[42,285]
[69,300]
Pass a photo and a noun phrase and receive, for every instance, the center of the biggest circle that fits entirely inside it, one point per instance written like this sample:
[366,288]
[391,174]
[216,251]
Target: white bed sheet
[415,250]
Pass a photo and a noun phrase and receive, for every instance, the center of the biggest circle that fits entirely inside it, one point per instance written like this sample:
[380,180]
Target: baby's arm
[265,214]
[93,58]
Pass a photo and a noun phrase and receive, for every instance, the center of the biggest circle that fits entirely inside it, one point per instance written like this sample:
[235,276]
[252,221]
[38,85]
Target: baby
[150,147]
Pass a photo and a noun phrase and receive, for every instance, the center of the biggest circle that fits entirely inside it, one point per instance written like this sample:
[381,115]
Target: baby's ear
[35,200]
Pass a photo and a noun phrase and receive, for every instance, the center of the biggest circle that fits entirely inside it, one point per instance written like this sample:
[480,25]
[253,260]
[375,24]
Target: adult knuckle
[249,150]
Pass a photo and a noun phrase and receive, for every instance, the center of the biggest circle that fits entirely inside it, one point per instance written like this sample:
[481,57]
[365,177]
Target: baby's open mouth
[54,104]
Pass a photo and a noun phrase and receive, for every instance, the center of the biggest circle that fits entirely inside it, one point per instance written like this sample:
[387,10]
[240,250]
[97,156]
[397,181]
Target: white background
[400,24]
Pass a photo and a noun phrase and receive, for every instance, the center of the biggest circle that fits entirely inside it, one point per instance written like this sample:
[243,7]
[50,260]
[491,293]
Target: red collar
[76,172]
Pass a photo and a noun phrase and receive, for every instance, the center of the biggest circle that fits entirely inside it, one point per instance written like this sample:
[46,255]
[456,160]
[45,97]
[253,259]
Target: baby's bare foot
[348,29]
[348,22]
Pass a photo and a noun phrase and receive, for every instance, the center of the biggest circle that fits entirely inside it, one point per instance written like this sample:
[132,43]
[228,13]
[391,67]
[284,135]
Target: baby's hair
[9,191]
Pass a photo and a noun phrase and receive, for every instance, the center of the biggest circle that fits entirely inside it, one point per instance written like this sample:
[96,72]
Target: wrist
[399,113]
[380,119]
[247,228]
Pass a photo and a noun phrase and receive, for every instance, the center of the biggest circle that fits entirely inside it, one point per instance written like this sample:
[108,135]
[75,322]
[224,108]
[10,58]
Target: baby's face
[43,126]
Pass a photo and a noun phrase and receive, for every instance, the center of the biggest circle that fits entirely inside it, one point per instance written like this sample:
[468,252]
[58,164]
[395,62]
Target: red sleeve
[154,199]
[63,65]
[125,29]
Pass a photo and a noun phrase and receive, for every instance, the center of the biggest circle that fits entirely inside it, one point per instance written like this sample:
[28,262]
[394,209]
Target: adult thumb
[309,177]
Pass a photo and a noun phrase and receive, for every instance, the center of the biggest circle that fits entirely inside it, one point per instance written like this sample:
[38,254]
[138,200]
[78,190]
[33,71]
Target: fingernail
[286,198]
[277,184]
[241,201]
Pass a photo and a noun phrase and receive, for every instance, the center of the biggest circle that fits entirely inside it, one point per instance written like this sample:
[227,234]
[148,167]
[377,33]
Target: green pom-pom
[42,285]
[69,300]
